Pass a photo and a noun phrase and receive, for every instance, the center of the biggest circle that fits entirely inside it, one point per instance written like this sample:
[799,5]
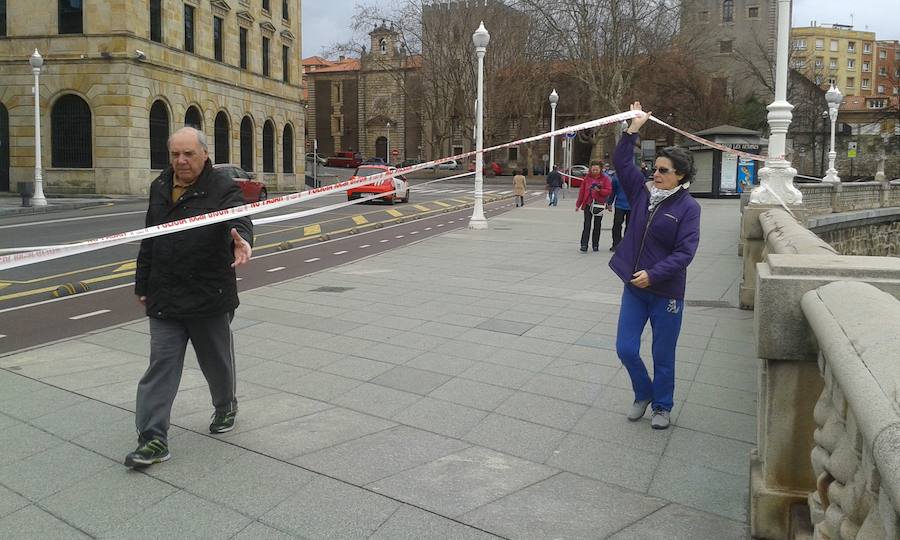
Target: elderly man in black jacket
[186,281]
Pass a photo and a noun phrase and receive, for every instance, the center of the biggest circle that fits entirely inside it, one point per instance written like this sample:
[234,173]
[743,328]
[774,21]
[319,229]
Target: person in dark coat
[618,202]
[652,261]
[554,184]
[186,281]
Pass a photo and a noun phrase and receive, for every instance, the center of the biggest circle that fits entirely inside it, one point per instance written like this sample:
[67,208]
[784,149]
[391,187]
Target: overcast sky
[327,21]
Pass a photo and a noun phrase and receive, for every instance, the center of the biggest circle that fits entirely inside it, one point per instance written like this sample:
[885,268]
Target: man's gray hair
[201,137]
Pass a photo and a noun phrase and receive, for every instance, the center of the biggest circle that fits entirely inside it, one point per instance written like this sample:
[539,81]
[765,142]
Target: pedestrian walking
[619,204]
[596,187]
[520,187]
[186,281]
[652,261]
[554,183]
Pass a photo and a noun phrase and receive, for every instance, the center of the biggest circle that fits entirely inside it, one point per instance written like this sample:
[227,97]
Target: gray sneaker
[659,419]
[637,410]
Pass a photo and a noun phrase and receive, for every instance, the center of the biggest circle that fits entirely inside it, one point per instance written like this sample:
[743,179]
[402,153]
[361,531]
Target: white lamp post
[833,97]
[38,199]
[777,177]
[480,38]
[387,152]
[554,99]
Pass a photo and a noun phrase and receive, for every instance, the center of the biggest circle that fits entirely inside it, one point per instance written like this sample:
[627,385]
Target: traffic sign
[395,152]
[851,150]
[570,134]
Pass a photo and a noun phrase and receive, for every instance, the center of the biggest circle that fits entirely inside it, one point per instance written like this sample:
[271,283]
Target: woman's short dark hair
[682,160]
[597,162]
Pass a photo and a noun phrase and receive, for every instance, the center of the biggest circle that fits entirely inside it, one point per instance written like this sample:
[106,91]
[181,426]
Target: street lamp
[38,199]
[554,99]
[387,152]
[833,97]
[480,38]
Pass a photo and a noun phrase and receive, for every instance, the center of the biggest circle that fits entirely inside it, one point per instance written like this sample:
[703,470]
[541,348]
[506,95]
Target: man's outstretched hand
[242,249]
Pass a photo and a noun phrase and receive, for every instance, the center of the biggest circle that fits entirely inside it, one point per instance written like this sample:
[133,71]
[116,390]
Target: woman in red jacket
[596,187]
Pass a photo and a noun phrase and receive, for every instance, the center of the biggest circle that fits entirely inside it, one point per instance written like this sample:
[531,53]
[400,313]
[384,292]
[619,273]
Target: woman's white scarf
[659,195]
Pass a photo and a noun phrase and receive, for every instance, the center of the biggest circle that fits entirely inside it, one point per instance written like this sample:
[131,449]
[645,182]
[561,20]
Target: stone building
[120,76]
[836,54]
[363,105]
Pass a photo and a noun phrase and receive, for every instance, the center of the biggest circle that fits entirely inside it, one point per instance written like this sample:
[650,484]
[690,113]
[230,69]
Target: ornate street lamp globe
[554,97]
[36,60]
[481,37]
[833,96]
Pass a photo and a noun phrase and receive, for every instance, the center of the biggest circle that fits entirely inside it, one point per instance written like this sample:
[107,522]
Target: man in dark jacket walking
[554,183]
[186,281]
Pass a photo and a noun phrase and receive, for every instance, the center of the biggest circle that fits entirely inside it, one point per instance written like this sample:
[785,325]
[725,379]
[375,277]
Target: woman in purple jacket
[652,260]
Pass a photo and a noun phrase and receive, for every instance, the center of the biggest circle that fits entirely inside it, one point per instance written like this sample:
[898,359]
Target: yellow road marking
[73,272]
[4,285]
[310,230]
[395,213]
[360,220]
[442,204]
[42,290]
[422,208]
[461,201]
[127,266]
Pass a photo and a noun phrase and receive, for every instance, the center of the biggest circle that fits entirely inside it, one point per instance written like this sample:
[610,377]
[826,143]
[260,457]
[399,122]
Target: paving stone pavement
[465,386]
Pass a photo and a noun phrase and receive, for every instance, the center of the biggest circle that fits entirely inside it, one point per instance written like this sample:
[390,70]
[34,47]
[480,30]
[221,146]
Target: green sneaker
[153,451]
[222,422]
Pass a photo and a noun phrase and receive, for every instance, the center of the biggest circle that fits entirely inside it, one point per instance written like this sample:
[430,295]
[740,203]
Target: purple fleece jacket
[662,242]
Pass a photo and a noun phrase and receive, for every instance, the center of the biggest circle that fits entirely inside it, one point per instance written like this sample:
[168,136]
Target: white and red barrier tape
[46,253]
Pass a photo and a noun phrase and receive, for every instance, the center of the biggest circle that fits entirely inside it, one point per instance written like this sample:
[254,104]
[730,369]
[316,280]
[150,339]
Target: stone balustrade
[856,457]
[826,198]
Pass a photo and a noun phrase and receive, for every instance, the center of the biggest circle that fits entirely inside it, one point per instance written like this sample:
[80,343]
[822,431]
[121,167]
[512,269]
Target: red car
[252,189]
[578,172]
[398,183]
[490,169]
[345,159]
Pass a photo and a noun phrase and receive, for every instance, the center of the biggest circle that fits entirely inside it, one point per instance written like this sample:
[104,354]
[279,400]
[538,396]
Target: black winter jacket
[188,274]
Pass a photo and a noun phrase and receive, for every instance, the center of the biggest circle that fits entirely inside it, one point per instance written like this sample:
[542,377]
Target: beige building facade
[836,54]
[119,76]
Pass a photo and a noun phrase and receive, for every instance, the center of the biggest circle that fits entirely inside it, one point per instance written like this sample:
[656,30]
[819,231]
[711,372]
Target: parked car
[317,158]
[578,172]
[252,189]
[375,161]
[449,165]
[397,182]
[345,159]
[409,162]
[494,168]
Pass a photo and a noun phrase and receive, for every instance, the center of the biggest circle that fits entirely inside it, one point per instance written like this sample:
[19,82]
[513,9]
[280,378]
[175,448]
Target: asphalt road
[37,307]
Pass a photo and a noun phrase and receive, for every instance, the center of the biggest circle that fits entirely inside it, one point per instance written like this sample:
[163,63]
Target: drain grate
[333,289]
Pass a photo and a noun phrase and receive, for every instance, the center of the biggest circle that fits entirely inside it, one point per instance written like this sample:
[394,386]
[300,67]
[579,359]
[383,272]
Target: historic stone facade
[130,57]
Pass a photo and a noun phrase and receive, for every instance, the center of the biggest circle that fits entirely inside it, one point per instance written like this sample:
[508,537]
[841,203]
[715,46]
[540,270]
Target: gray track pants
[212,341]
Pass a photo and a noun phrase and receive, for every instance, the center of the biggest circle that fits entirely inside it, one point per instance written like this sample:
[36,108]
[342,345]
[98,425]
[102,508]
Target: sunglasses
[662,170]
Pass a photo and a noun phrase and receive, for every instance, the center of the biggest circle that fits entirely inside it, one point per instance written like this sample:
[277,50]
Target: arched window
[159,135]
[70,124]
[247,144]
[268,146]
[223,138]
[382,44]
[193,118]
[287,149]
[728,11]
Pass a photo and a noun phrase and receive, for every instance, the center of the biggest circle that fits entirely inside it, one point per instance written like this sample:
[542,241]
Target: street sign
[851,150]
[570,135]
[395,152]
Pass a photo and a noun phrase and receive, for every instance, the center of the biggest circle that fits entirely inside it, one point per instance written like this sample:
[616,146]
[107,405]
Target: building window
[2,17]
[265,56]
[156,20]
[877,103]
[268,147]
[513,154]
[193,118]
[285,10]
[799,44]
[70,124]
[882,54]
[728,11]
[287,150]
[820,44]
[851,64]
[851,46]
[866,83]
[834,45]
[832,64]
[382,45]
[285,63]
[880,88]
[243,45]
[223,138]
[725,46]
[820,62]
[218,48]
[753,12]
[867,48]
[159,135]
[703,16]
[866,66]
[851,82]
[882,71]
[832,81]
[247,144]
[188,28]
[336,91]
[71,17]
[266,5]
